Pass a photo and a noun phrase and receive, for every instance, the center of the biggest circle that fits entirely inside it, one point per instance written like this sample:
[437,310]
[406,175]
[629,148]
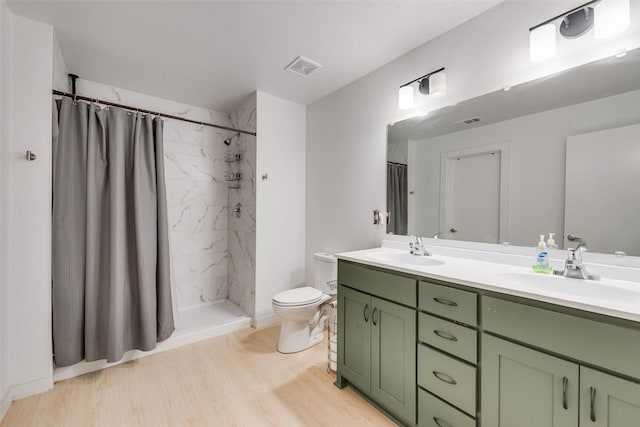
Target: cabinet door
[393,357]
[608,401]
[354,337]
[526,388]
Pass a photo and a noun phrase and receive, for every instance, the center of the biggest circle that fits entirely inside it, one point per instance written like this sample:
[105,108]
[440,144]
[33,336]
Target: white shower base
[210,320]
[192,325]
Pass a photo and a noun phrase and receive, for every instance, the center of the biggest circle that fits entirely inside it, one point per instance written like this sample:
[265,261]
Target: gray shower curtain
[397,198]
[111,283]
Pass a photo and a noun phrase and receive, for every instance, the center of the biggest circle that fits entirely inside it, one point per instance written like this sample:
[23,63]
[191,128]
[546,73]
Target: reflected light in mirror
[405,97]
[542,42]
[611,17]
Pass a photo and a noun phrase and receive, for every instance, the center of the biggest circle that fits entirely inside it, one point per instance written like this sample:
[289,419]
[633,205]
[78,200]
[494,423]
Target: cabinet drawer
[448,336]
[448,302]
[378,283]
[448,378]
[433,412]
[612,347]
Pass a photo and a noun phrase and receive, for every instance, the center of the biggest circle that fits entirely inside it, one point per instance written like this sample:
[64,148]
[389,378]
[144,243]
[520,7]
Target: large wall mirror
[556,155]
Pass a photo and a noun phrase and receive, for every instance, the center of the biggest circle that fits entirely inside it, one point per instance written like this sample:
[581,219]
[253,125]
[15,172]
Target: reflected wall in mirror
[558,155]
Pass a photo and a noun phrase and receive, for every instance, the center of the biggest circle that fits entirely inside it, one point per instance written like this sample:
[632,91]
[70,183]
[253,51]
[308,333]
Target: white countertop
[615,298]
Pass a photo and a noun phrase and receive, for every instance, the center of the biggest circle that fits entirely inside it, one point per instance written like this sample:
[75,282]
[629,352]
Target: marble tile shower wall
[197,194]
[242,230]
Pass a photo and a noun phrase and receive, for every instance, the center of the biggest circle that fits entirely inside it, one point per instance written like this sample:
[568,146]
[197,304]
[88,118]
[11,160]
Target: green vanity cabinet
[522,387]
[436,354]
[447,356]
[608,401]
[354,359]
[393,357]
[376,350]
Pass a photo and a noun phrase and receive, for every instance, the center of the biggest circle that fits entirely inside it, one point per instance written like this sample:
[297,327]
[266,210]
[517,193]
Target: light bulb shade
[542,42]
[611,17]
[438,83]
[405,97]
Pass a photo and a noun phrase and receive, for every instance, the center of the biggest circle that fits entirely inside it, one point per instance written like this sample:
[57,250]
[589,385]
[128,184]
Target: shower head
[228,140]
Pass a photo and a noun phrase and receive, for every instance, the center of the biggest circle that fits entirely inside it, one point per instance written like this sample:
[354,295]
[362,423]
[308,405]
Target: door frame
[445,184]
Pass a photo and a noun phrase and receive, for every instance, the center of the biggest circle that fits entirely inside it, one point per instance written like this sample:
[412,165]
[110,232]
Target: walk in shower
[211,197]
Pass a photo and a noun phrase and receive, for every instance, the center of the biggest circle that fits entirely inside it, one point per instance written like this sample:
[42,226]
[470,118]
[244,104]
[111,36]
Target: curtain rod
[155,113]
[396,163]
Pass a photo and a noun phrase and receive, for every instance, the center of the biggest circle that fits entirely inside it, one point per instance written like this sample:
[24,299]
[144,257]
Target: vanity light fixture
[433,83]
[606,17]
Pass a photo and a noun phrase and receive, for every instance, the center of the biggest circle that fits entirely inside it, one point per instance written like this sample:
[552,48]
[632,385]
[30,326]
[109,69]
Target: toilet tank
[325,272]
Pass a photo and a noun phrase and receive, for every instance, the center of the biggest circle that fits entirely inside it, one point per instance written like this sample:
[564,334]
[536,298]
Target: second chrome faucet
[574,266]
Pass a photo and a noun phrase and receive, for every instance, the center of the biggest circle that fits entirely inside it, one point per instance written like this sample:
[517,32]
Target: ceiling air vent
[470,121]
[303,66]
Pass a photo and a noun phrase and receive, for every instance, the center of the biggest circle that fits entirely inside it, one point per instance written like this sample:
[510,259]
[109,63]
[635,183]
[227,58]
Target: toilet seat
[298,297]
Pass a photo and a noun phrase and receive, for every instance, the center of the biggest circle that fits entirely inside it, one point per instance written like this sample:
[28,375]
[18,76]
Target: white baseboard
[5,403]
[264,320]
[20,391]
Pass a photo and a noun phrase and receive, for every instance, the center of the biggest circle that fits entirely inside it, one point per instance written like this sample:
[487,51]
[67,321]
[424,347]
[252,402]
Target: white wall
[346,131]
[26,263]
[537,144]
[280,200]
[5,397]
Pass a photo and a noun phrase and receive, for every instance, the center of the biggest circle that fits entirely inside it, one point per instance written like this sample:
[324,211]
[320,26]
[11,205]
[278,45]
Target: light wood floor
[233,380]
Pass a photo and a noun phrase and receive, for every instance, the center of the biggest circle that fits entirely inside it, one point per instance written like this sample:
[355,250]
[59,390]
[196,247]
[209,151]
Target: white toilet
[299,309]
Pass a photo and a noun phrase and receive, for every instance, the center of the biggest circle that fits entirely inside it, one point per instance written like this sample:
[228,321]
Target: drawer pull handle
[444,378]
[445,335]
[365,312]
[445,302]
[441,423]
[374,317]
[565,383]
[592,392]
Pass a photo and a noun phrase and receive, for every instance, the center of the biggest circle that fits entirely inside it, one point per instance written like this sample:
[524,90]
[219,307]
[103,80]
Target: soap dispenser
[551,244]
[541,244]
[542,264]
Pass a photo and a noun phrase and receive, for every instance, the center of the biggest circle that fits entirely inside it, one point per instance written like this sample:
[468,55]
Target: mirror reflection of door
[473,208]
[602,200]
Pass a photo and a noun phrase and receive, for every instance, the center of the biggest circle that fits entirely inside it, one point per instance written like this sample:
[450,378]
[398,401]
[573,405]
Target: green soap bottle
[542,264]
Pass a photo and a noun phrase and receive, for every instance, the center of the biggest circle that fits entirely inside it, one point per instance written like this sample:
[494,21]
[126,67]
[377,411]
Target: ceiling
[213,54]
[596,80]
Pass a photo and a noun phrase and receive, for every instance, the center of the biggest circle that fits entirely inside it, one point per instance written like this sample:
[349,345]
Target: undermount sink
[602,290]
[405,258]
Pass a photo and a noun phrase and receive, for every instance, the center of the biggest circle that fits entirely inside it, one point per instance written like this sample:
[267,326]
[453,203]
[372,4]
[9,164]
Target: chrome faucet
[436,235]
[417,247]
[574,267]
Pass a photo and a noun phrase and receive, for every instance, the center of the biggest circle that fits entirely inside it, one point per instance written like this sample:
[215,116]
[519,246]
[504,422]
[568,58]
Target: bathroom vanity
[459,344]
